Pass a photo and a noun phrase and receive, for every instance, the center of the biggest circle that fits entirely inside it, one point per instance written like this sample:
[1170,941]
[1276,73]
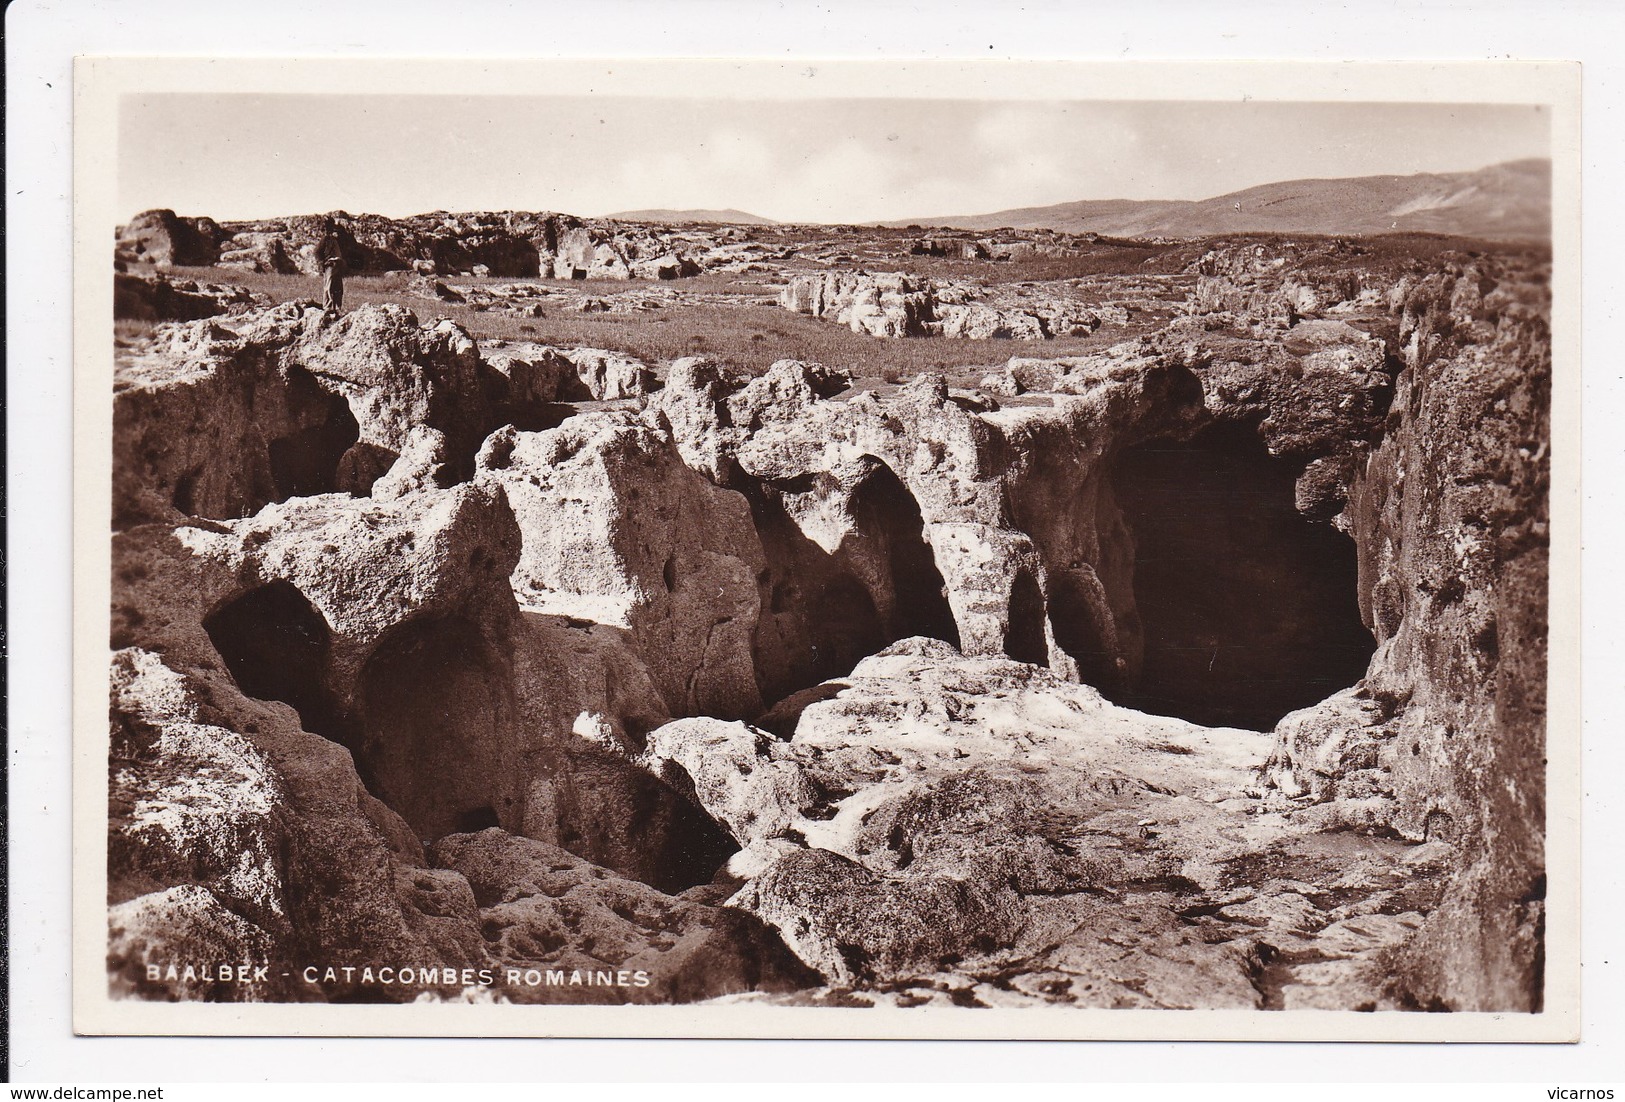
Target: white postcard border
[100,82]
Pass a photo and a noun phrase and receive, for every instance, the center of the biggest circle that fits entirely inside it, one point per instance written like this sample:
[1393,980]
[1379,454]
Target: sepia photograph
[777,549]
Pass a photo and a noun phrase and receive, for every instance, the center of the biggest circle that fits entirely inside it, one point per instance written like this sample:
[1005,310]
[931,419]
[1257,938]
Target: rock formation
[488,244]
[895,305]
[154,298]
[160,237]
[1209,671]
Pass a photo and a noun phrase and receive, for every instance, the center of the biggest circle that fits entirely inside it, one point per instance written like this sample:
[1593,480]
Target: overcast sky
[835,160]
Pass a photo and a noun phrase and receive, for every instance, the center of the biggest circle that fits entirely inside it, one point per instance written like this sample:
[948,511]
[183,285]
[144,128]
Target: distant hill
[1505,201]
[737,217]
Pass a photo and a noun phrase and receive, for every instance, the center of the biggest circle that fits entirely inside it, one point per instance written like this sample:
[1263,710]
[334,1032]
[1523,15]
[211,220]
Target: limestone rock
[669,266]
[543,909]
[987,834]
[395,376]
[868,928]
[618,531]
[207,424]
[980,323]
[155,298]
[217,421]
[883,305]
[160,237]
[537,375]
[608,376]
[354,614]
[185,823]
[210,865]
[258,252]
[730,770]
[184,924]
[1457,606]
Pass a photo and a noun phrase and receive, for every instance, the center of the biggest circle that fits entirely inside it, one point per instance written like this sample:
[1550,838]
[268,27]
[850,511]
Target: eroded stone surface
[545,910]
[986,834]
[367,599]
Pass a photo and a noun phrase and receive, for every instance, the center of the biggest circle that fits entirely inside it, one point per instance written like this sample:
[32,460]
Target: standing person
[330,254]
[332,284]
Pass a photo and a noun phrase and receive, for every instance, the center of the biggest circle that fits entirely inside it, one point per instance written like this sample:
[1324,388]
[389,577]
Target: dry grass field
[749,333]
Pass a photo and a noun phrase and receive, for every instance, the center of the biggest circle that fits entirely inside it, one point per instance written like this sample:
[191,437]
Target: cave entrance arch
[823,611]
[275,643]
[435,721]
[1249,610]
[1024,632]
[885,512]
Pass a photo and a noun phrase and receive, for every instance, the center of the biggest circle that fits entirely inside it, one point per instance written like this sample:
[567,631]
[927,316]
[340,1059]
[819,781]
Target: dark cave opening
[306,461]
[275,644]
[885,513]
[1249,610]
[1024,634]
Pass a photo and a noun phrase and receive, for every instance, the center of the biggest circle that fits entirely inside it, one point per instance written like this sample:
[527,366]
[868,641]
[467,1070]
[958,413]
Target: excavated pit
[1176,577]
[298,446]
[306,461]
[431,721]
[1249,610]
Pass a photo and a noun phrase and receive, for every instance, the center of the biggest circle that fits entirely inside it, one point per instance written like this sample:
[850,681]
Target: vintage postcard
[803,549]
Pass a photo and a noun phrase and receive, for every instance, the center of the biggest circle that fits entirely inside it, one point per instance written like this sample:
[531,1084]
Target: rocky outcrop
[363,357]
[735,772]
[154,298]
[254,251]
[160,237]
[580,254]
[218,418]
[620,532]
[1009,518]
[538,375]
[235,832]
[576,935]
[284,740]
[933,827]
[503,244]
[897,305]
[884,305]
[609,376]
[1450,514]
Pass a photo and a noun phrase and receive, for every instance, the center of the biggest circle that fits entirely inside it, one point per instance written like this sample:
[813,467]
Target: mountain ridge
[1511,200]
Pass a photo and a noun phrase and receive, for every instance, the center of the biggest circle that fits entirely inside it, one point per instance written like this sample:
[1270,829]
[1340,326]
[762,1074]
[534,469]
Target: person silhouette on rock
[330,254]
[332,284]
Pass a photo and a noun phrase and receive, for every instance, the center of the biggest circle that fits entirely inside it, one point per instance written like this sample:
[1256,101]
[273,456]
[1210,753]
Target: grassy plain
[742,329]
